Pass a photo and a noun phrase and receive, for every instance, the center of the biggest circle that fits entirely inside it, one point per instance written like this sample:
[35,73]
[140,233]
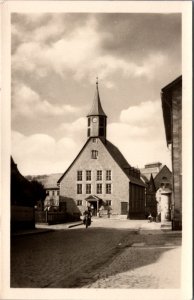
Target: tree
[38,191]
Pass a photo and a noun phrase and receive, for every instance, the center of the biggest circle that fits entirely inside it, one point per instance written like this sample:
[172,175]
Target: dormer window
[94,154]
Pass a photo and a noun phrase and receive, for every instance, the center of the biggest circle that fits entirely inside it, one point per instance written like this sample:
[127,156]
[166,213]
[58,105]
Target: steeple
[96,117]
[96,109]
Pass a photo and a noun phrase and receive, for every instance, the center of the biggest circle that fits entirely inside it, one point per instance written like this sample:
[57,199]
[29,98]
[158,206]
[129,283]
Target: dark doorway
[124,208]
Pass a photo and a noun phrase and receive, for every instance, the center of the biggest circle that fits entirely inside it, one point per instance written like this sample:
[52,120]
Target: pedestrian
[150,218]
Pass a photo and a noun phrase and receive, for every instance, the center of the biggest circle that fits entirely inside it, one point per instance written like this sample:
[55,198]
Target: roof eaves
[59,180]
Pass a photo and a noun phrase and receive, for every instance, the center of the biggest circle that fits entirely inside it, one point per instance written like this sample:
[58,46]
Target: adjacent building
[155,175]
[100,176]
[171,97]
[51,188]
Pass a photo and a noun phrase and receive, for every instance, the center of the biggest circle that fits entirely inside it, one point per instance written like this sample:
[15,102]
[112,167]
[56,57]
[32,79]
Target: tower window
[88,122]
[99,175]
[88,175]
[79,175]
[88,131]
[108,188]
[94,154]
[101,121]
[108,174]
[88,188]
[79,188]
[99,188]
[94,140]
[101,131]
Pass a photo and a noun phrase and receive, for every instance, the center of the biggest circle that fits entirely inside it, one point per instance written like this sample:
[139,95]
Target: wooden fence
[54,217]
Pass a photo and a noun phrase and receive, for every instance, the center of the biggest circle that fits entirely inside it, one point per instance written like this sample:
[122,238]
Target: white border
[184,7]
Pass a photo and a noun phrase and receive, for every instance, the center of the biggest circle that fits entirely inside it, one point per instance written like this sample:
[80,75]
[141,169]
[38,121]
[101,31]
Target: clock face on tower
[94,120]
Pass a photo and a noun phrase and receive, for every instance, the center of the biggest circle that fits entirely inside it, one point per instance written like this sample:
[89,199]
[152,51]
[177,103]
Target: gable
[164,173]
[110,149]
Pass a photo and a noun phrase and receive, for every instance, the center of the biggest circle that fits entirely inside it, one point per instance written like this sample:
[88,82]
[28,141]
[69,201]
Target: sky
[56,58]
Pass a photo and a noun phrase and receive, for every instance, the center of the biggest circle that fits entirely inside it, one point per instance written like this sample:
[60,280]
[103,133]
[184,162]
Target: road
[102,256]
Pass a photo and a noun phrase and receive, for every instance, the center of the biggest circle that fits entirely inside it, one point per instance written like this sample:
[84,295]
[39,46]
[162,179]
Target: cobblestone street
[109,254]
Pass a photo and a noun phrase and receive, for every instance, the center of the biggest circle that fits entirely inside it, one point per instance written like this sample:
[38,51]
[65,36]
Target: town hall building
[100,176]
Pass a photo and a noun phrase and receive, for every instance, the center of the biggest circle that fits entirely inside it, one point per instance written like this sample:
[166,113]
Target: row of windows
[89,175]
[98,188]
[107,203]
[52,193]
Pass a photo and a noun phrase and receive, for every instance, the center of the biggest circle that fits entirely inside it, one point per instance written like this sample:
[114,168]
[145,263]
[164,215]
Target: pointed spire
[96,109]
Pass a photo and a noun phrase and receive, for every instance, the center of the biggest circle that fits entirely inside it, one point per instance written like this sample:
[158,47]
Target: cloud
[42,154]
[28,103]
[79,52]
[147,113]
[141,134]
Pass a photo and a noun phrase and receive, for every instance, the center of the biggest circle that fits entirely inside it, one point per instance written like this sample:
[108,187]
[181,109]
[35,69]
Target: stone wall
[177,157]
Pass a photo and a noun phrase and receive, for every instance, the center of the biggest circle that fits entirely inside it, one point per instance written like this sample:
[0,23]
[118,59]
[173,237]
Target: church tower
[97,117]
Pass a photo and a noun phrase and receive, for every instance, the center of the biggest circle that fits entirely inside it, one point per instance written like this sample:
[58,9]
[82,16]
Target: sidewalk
[142,226]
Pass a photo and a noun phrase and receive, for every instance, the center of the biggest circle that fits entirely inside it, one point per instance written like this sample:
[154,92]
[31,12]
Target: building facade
[155,175]
[100,176]
[171,97]
[51,188]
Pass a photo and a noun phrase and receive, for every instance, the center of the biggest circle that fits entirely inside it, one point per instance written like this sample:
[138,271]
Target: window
[101,121]
[108,188]
[79,202]
[88,175]
[79,188]
[108,202]
[99,175]
[79,175]
[108,174]
[88,122]
[94,140]
[88,131]
[101,131]
[57,193]
[88,188]
[94,154]
[99,188]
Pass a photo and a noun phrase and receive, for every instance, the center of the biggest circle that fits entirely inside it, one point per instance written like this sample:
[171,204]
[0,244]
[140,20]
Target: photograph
[97,137]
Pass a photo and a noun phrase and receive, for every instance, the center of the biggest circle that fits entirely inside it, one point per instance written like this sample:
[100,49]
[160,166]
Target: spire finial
[97,80]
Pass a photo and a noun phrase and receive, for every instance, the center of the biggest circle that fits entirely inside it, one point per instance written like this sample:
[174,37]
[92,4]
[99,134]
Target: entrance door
[94,208]
[124,206]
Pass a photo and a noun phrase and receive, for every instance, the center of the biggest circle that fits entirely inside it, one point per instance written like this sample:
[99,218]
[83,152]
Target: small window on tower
[88,131]
[88,122]
[101,131]
[101,121]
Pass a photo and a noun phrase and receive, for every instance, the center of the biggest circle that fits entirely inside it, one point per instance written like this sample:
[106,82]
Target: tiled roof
[122,162]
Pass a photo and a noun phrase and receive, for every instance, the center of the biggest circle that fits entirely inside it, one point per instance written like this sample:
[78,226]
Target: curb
[74,225]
